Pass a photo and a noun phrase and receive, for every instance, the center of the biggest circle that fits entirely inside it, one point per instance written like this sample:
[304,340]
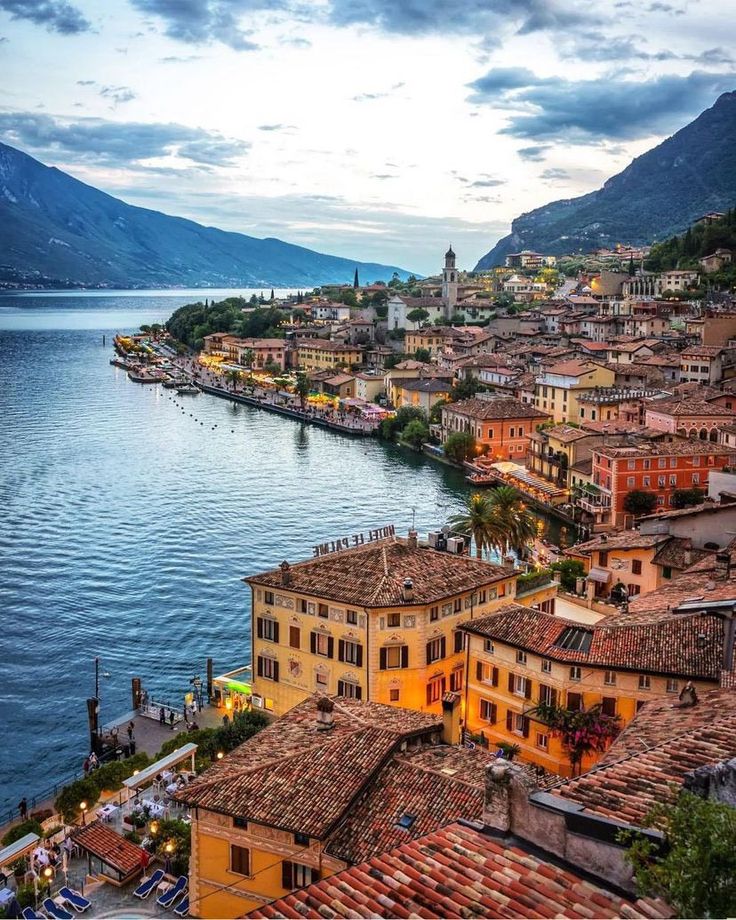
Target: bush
[108,777]
[31,826]
[133,836]
[569,570]
[178,835]
[459,447]
[415,434]
[52,831]
[638,502]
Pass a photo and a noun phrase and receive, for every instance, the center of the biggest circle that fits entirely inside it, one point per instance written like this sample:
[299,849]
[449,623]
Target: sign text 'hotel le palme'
[357,539]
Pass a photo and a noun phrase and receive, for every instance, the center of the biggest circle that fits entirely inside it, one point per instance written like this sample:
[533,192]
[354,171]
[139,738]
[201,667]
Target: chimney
[412,542]
[604,538]
[285,573]
[451,718]
[325,714]
[722,569]
[407,590]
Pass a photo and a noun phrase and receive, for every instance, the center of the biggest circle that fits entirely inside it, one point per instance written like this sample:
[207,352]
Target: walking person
[171,719]
[130,728]
[23,808]
[162,716]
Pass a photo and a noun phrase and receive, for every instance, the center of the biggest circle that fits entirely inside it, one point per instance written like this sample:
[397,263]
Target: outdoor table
[171,788]
[155,809]
[41,856]
[107,811]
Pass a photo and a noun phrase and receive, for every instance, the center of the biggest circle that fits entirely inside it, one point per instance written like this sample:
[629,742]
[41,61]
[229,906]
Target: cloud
[554,173]
[367,97]
[122,144]
[276,127]
[534,153]
[487,183]
[203,21]
[555,108]
[118,94]
[179,58]
[86,82]
[56,15]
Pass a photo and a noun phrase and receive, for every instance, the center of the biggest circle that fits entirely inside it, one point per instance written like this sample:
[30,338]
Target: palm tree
[233,378]
[477,521]
[515,523]
[302,388]
[248,357]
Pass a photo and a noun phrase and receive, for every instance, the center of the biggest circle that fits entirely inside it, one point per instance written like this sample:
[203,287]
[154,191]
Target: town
[467,721]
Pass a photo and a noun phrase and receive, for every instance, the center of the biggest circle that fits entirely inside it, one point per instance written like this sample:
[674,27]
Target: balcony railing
[595,504]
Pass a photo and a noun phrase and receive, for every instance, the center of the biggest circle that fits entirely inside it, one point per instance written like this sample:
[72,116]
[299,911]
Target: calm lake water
[127,522]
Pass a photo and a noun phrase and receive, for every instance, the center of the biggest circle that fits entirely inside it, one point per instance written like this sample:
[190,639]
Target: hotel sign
[357,539]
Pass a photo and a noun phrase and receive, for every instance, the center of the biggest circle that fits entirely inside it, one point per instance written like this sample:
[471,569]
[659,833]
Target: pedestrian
[23,808]
[145,859]
[93,761]
[131,726]
[171,718]
[162,716]
[85,766]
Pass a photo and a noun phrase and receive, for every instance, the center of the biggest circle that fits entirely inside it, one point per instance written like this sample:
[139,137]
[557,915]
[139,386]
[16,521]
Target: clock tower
[449,281]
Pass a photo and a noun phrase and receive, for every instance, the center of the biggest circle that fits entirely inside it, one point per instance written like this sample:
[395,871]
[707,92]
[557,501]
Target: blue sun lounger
[30,914]
[75,899]
[171,894]
[183,909]
[53,910]
[148,884]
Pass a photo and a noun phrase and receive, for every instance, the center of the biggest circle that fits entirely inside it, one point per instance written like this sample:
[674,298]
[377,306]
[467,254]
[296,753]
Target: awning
[146,776]
[599,575]
[15,850]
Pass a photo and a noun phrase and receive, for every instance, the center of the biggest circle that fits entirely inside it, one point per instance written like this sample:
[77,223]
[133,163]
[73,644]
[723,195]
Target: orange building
[502,424]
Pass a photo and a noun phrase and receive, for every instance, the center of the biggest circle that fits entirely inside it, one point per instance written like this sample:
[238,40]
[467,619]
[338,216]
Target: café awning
[14,851]
[599,575]
[144,777]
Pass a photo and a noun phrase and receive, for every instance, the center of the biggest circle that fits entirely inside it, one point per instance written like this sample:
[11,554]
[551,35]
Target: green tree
[415,434]
[423,354]
[581,731]
[392,361]
[435,413]
[233,378]
[515,524]
[271,367]
[467,388]
[569,571]
[460,446]
[417,315]
[696,871]
[685,498]
[476,521]
[638,502]
[302,388]
[248,357]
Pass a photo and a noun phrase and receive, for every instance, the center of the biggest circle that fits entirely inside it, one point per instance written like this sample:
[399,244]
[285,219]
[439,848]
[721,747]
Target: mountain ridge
[55,228]
[657,195]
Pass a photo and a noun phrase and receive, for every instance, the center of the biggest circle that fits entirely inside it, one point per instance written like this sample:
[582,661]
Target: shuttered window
[268,629]
[350,652]
[296,875]
[393,656]
[436,649]
[322,644]
[239,860]
[268,668]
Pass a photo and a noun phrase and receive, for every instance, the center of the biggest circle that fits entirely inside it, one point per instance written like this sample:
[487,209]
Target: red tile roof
[685,645]
[373,575]
[108,846]
[456,872]
[504,407]
[648,761]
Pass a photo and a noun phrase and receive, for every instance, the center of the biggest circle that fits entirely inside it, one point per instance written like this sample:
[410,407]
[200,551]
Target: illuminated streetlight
[48,872]
[220,755]
[169,847]
[83,808]
[154,827]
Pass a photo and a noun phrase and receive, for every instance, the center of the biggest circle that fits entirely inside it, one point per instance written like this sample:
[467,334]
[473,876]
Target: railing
[594,503]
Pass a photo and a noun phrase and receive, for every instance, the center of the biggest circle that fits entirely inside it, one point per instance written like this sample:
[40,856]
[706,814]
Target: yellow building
[557,389]
[411,370]
[332,783]
[378,621]
[319,354]
[519,659]
[432,338]
[624,563]
[422,393]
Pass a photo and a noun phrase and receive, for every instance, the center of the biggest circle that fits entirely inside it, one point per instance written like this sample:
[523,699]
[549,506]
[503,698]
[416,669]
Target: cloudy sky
[374,129]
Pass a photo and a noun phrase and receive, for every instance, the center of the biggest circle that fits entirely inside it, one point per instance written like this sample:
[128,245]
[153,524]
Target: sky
[379,130]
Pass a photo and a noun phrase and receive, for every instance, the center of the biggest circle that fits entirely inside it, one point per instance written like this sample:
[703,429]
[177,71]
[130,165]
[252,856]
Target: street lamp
[153,827]
[220,755]
[48,872]
[83,808]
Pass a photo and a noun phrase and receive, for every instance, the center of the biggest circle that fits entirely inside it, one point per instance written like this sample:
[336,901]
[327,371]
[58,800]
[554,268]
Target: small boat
[174,383]
[188,390]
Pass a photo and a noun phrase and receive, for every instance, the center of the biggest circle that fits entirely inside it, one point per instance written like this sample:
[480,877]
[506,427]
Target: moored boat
[188,390]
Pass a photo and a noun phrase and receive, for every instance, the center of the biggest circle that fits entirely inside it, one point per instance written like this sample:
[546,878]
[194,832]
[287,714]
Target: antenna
[413,518]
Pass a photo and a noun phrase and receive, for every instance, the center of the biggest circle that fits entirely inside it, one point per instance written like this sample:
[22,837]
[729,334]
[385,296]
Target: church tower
[449,281]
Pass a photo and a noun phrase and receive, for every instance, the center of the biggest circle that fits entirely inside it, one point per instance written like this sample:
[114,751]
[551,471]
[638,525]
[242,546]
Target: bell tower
[449,281]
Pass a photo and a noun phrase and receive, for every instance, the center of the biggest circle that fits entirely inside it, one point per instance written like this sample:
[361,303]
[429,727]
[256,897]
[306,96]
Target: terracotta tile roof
[297,777]
[572,368]
[458,871]
[373,575]
[679,448]
[106,844]
[654,753]
[709,506]
[678,553]
[425,385]
[685,645]
[679,407]
[505,407]
[624,539]
[698,581]
[566,433]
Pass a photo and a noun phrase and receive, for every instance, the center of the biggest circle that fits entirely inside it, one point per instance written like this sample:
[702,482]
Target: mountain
[660,193]
[57,231]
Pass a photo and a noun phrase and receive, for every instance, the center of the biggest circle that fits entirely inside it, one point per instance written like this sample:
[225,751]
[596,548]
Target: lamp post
[83,808]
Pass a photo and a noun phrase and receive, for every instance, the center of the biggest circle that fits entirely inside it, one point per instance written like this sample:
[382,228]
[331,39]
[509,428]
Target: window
[482,597]
[673,480]
[673,686]
[609,678]
[295,875]
[647,464]
[647,481]
[631,464]
[394,656]
[268,668]
[456,680]
[459,640]
[323,611]
[352,617]
[520,685]
[666,571]
[636,566]
[576,672]
[434,614]
[393,695]
[349,689]
[239,859]
[547,695]
[662,463]
[268,629]
[301,840]
[294,637]
[436,649]
[435,689]
[520,725]
[488,711]
[660,499]
[350,652]
[321,680]
[696,477]
[603,558]
[487,673]
[546,666]
[542,741]
[673,462]
[322,644]
[488,646]
[661,481]
[645,682]
[242,823]
[393,620]
[301,605]
[630,481]
[457,605]
[574,701]
[520,657]
[608,705]
[268,597]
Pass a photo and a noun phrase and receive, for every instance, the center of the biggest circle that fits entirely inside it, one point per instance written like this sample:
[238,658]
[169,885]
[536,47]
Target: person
[23,808]
[145,859]
[131,726]
[93,761]
[171,718]
[162,716]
